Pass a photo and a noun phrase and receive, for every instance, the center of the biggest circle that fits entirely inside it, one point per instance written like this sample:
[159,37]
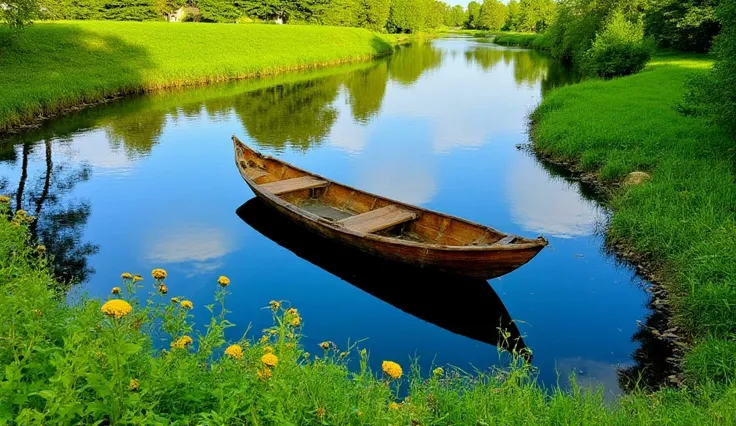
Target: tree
[130,10]
[473,12]
[683,24]
[493,15]
[406,16]
[373,14]
[341,13]
[512,23]
[18,13]
[434,12]
[536,15]
[168,8]
[455,17]
[285,10]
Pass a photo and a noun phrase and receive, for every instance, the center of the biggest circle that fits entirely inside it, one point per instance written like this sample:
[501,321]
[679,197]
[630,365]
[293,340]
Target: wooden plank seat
[378,219]
[295,184]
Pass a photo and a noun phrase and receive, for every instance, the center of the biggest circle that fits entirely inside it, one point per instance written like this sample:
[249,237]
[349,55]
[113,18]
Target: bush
[619,50]
[18,13]
[714,95]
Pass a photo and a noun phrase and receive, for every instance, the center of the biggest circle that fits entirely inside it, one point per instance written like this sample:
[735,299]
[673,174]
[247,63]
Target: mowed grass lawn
[685,217]
[52,66]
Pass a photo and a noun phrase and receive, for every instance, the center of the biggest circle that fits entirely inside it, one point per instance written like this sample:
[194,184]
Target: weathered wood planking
[426,238]
[378,219]
[294,184]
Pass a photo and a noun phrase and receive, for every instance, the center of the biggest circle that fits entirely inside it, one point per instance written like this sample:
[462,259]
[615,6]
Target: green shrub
[714,95]
[620,49]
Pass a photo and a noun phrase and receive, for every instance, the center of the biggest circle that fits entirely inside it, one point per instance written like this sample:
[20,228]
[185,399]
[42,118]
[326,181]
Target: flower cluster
[158,274]
[182,342]
[234,351]
[116,308]
[392,369]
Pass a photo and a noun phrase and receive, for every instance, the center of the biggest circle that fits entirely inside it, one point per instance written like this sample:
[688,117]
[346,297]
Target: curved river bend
[150,182]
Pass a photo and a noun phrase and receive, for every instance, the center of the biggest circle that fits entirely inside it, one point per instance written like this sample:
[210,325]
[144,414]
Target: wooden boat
[381,226]
[433,296]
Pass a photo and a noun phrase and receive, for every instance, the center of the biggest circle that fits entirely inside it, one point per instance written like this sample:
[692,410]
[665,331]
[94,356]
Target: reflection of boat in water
[462,305]
[381,226]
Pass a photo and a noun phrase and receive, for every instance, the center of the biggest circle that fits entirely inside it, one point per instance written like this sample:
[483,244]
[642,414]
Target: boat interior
[359,211]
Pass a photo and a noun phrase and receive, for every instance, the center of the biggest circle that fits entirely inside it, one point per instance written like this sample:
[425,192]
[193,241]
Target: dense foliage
[683,24]
[620,49]
[493,15]
[18,13]
[714,94]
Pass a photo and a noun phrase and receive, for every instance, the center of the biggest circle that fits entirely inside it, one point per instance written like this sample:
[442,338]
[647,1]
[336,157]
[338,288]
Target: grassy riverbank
[74,364]
[54,66]
[525,40]
[684,219]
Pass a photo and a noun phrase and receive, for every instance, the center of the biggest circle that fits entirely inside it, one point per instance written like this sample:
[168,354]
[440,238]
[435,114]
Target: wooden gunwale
[524,244]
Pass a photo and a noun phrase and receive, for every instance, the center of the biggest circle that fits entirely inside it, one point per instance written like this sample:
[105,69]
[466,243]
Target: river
[149,182]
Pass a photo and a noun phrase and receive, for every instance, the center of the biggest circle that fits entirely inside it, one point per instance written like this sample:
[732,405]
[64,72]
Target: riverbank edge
[664,279]
[30,119]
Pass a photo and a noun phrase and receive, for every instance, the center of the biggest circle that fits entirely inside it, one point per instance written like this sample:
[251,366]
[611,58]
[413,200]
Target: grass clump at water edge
[128,361]
[53,66]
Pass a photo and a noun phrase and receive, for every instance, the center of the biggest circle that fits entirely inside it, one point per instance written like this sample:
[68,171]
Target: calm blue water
[150,182]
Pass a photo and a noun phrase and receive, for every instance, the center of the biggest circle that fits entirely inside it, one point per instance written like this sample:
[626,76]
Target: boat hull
[476,264]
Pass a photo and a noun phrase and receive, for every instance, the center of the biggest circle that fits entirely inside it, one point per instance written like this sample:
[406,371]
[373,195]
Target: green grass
[525,40]
[53,66]
[69,364]
[685,217]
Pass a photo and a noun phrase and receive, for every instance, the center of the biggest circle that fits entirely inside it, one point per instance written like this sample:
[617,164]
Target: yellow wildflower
[41,249]
[116,308]
[4,199]
[134,385]
[392,369]
[163,289]
[325,345]
[175,300]
[181,342]
[126,276]
[158,274]
[137,278]
[292,311]
[116,290]
[263,339]
[223,281]
[296,321]
[438,371]
[394,406]
[264,374]
[234,351]
[270,360]
[186,304]
[272,331]
[274,305]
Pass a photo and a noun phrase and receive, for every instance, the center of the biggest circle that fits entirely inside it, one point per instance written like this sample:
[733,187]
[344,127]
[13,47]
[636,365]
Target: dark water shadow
[464,306]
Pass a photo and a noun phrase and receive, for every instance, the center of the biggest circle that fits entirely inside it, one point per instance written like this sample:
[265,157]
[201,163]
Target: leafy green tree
[285,10]
[714,94]
[434,13]
[683,24]
[456,16]
[620,49]
[513,21]
[341,13]
[373,14]
[18,13]
[406,16]
[220,10]
[473,13]
[131,10]
[73,9]
[536,15]
[493,15]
